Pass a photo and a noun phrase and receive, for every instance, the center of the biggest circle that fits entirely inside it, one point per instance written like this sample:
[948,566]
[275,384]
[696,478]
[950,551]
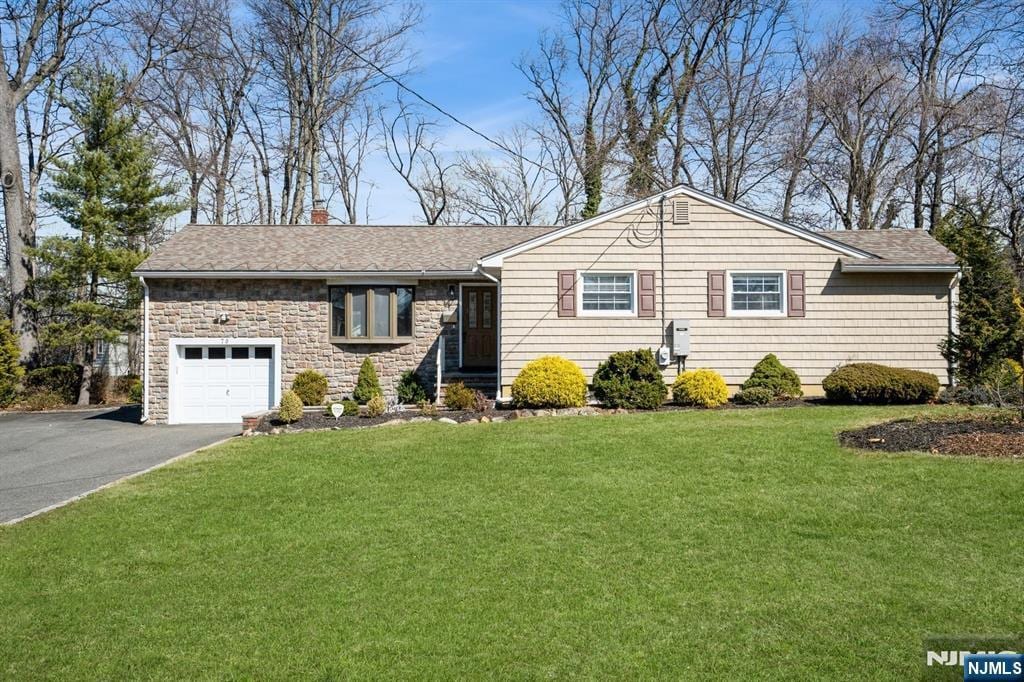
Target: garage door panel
[221,383]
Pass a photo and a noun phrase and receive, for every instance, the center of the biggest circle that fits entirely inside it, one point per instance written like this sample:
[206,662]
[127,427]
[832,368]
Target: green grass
[728,544]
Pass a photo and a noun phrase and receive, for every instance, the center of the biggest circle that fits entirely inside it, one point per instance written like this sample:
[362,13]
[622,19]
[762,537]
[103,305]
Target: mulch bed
[974,436]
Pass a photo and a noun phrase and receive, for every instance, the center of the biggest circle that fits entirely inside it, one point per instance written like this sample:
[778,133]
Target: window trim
[730,312]
[632,312]
[369,321]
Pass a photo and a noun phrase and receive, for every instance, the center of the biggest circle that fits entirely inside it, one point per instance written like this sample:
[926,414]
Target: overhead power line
[438,108]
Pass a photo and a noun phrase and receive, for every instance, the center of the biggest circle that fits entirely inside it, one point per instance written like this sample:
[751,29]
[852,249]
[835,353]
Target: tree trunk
[20,233]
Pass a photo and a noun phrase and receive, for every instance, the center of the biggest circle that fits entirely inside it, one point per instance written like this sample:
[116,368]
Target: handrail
[440,367]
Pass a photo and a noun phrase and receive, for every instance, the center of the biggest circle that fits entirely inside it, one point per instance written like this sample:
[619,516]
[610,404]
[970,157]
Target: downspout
[661,239]
[145,350]
[497,392]
[954,320]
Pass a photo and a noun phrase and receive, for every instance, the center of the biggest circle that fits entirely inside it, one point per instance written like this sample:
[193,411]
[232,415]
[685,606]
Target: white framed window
[607,293]
[758,294]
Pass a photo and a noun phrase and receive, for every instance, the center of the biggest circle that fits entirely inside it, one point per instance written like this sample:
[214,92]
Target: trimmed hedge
[870,384]
[771,374]
[700,388]
[550,381]
[311,387]
[630,379]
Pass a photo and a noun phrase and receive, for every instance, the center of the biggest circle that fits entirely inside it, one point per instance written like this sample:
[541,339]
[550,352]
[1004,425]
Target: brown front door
[479,327]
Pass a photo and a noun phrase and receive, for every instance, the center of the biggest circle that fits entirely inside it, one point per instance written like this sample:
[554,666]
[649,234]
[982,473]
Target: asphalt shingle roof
[898,247]
[332,248]
[419,248]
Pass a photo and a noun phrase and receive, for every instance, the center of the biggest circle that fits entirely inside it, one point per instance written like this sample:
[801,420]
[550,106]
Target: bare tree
[316,54]
[865,101]
[740,99]
[412,148]
[589,54]
[509,189]
[349,139]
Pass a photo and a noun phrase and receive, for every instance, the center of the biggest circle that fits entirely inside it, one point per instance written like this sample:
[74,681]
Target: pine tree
[108,195]
[11,371]
[991,328]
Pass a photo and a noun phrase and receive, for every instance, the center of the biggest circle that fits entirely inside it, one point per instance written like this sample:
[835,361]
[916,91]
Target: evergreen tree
[110,199]
[11,371]
[991,328]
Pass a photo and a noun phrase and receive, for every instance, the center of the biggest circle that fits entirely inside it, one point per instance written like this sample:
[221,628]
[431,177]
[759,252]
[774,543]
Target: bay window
[368,314]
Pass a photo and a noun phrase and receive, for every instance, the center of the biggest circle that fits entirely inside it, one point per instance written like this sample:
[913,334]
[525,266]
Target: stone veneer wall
[296,311]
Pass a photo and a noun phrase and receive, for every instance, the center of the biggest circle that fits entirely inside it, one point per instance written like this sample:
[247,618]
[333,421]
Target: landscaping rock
[447,420]
[485,419]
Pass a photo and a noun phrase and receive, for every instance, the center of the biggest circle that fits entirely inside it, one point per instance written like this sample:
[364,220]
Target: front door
[479,327]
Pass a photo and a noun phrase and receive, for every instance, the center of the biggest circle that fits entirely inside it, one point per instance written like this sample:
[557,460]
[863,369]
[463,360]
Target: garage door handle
[227,392]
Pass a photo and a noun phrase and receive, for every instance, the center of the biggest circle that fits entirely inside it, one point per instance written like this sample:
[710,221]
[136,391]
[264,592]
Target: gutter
[145,350]
[877,267]
[302,274]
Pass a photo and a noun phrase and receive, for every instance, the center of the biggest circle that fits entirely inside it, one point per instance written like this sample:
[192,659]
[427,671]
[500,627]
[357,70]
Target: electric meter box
[680,338]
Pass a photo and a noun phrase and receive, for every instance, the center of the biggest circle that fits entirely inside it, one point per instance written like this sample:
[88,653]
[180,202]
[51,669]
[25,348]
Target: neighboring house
[233,313]
[113,357]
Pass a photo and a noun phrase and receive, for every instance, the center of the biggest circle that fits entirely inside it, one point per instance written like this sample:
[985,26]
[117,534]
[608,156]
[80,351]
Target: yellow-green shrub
[550,381]
[291,407]
[701,388]
[376,406]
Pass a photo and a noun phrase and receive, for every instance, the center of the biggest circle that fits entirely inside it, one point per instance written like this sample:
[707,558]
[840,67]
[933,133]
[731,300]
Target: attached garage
[215,381]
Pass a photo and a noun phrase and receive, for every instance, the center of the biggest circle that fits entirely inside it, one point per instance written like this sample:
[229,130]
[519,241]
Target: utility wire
[394,79]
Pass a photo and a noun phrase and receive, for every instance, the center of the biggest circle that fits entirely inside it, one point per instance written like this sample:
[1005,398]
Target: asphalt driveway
[49,458]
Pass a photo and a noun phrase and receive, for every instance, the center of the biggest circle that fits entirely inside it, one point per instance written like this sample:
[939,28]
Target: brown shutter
[645,294]
[795,293]
[716,293]
[567,293]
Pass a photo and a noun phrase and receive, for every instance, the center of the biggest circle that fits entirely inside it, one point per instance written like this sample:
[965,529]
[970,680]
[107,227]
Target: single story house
[233,313]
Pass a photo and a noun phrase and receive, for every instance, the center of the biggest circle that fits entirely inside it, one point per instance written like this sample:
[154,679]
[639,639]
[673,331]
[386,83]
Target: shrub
[63,380]
[480,401]
[701,388]
[1002,383]
[376,406]
[135,391]
[550,381]
[367,385]
[291,407]
[99,386]
[42,399]
[310,386]
[630,379]
[755,395]
[11,371]
[410,390]
[868,383]
[965,395]
[351,408]
[771,374]
[458,396]
[428,409]
[123,386]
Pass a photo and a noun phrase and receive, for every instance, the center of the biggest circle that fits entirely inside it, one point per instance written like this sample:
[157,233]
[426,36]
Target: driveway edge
[127,477]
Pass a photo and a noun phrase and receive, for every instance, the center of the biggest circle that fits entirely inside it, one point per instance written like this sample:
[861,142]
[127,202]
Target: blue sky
[466,56]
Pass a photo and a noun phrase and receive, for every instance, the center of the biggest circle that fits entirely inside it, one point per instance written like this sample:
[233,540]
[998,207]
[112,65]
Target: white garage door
[218,384]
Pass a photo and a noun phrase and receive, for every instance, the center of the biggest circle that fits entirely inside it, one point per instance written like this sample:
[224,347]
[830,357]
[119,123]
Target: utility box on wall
[680,338]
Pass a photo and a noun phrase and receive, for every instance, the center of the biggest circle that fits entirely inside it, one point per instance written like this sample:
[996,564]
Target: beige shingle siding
[895,319]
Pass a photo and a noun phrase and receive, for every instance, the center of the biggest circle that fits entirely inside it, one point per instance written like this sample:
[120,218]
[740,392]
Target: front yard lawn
[731,544]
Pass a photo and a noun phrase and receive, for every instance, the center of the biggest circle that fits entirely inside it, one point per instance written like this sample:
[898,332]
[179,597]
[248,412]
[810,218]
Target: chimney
[318,216]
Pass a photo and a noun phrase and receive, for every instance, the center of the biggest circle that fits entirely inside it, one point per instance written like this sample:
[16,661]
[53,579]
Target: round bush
[550,381]
[310,386]
[756,395]
[700,388]
[867,383]
[630,379]
[771,374]
[410,390]
[458,396]
[291,407]
[376,406]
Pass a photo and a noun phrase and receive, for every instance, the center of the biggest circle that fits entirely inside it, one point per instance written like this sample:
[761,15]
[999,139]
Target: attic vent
[681,212]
